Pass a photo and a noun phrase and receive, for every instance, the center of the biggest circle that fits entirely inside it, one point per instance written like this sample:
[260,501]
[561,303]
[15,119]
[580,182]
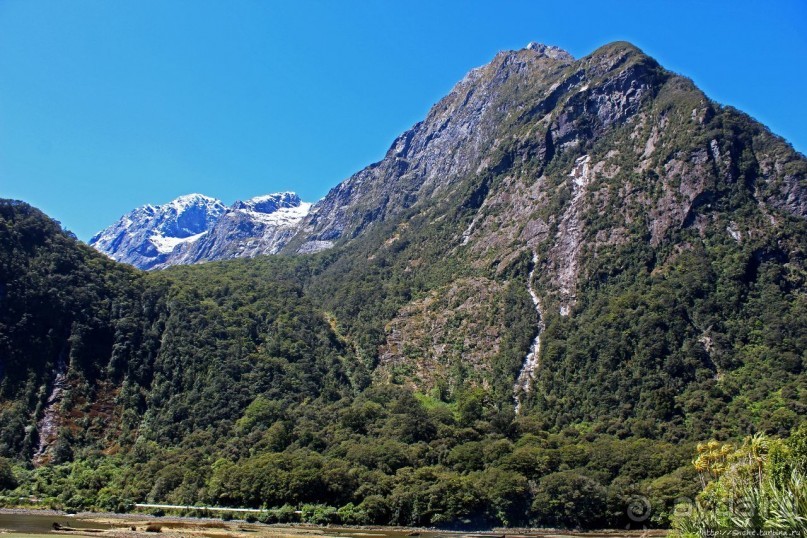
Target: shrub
[760,486]
[318,514]
[7,479]
[350,514]
[568,499]
[286,514]
[376,508]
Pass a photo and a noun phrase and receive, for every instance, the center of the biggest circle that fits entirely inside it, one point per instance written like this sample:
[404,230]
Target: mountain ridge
[195,228]
[329,221]
[624,59]
[566,276]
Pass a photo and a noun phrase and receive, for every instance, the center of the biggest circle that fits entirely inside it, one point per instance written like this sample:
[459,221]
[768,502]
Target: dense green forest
[236,384]
[375,382]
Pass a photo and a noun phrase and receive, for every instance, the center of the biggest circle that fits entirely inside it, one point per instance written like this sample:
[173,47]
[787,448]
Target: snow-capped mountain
[260,225]
[147,235]
[195,228]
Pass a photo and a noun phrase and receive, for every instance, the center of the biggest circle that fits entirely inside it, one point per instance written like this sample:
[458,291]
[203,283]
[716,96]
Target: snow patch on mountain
[166,245]
[196,228]
[285,216]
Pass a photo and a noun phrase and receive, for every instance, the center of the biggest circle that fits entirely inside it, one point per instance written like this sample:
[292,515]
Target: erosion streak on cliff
[525,378]
[48,425]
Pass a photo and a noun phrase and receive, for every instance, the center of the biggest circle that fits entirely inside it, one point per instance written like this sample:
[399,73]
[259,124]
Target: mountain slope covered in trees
[562,279]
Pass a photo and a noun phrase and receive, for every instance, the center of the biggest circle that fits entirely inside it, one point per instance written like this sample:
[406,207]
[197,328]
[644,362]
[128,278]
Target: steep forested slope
[96,354]
[559,281]
[69,317]
[658,231]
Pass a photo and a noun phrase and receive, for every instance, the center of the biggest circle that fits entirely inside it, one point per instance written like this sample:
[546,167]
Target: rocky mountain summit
[540,172]
[146,236]
[453,140]
[536,105]
[539,105]
[260,225]
[567,275]
[571,174]
[195,228]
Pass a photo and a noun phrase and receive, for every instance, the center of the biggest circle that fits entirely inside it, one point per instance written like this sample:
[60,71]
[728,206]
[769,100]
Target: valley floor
[40,524]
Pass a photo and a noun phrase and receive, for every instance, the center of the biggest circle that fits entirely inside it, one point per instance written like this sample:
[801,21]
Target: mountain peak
[195,227]
[550,51]
[182,203]
[617,49]
[269,203]
[145,235]
[194,197]
[282,198]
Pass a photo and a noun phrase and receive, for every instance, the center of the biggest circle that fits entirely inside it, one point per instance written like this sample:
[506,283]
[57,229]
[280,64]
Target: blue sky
[105,106]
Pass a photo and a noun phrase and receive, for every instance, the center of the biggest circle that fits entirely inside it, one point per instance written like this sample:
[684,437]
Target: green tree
[7,478]
[568,499]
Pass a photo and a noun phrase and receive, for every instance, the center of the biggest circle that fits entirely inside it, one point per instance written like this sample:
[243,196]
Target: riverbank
[27,523]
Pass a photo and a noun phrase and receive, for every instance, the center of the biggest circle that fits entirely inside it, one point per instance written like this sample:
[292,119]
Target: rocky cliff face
[538,106]
[538,182]
[197,228]
[570,173]
[456,136]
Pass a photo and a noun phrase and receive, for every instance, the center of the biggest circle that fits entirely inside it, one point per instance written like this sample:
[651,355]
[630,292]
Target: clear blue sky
[105,105]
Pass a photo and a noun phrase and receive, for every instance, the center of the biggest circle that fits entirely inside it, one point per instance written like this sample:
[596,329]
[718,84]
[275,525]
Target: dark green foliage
[62,304]
[7,478]
[568,499]
[235,391]
[642,339]
[257,383]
